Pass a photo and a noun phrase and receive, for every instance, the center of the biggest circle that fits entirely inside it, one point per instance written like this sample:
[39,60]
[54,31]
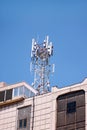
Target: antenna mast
[40,56]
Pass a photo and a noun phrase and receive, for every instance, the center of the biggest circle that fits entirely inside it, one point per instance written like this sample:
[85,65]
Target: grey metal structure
[40,65]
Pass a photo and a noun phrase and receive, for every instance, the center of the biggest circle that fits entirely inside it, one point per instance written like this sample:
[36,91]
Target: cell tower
[40,64]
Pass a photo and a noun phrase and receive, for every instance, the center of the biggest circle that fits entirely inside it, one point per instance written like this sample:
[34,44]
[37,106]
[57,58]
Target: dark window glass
[71,107]
[25,123]
[20,123]
[8,94]
[2,94]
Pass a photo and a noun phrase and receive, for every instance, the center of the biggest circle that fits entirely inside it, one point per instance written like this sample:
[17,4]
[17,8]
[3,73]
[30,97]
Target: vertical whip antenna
[40,65]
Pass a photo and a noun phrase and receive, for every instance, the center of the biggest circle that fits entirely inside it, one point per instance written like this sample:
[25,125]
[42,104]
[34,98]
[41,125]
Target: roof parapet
[2,84]
[55,88]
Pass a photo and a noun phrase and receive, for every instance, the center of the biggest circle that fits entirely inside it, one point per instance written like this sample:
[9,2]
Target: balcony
[15,93]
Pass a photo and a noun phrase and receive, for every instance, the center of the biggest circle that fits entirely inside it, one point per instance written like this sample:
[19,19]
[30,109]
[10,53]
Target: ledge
[11,101]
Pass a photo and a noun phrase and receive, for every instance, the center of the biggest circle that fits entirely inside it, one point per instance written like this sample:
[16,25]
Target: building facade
[21,108]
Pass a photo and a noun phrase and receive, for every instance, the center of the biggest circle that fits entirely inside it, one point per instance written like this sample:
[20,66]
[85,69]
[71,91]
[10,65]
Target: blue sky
[65,21]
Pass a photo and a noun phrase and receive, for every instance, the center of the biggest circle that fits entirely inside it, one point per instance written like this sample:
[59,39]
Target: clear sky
[65,21]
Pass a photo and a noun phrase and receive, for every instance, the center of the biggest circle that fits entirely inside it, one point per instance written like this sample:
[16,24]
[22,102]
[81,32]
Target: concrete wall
[43,110]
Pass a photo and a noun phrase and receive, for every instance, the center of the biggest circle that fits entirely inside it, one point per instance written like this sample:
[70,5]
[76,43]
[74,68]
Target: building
[61,109]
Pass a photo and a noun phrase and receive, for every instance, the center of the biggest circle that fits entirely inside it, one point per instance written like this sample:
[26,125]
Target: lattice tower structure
[40,65]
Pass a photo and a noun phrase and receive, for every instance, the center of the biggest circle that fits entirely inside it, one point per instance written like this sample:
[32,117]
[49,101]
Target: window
[15,92]
[18,91]
[8,94]
[24,115]
[21,90]
[25,123]
[22,123]
[2,94]
[71,107]
[26,91]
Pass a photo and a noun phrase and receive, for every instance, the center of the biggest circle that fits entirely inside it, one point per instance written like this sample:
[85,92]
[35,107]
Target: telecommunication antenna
[40,65]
